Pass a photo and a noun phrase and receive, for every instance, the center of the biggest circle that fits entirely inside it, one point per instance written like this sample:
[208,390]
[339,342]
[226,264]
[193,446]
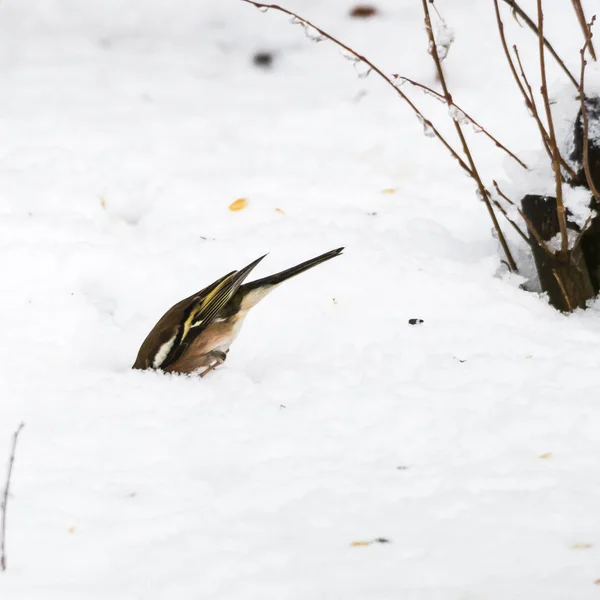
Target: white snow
[470,441]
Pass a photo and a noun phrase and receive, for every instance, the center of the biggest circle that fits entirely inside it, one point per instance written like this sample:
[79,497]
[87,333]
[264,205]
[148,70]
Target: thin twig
[518,10]
[584,120]
[587,34]
[515,226]
[530,227]
[508,56]
[376,70]
[536,116]
[532,105]
[562,289]
[485,195]
[560,207]
[467,116]
[525,88]
[579,237]
[4,506]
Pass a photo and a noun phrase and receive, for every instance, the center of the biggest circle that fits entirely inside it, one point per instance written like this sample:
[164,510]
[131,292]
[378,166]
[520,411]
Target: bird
[197,332]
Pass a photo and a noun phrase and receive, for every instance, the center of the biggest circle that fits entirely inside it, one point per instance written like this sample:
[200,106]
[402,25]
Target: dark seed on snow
[415,321]
[363,11]
[263,59]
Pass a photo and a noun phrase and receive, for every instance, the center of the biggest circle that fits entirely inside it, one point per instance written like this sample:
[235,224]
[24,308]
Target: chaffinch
[198,331]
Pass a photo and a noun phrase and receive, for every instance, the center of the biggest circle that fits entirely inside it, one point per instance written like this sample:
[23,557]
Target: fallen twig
[4,506]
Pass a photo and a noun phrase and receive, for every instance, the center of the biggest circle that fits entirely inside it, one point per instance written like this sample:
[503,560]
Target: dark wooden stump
[590,243]
[593,114]
[565,279]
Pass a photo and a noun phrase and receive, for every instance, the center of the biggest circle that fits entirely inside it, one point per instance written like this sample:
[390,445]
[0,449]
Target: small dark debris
[415,321]
[382,540]
[263,59]
[401,468]
[282,406]
[460,360]
[363,11]
[372,214]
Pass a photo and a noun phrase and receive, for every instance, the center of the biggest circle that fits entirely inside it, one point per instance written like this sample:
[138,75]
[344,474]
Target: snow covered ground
[469,442]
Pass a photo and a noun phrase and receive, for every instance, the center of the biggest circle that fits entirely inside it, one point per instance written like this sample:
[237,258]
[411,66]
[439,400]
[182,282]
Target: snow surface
[470,442]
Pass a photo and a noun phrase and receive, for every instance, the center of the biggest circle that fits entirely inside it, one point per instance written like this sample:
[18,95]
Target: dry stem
[526,91]
[518,10]
[585,227]
[470,169]
[467,116]
[587,34]
[515,226]
[563,290]
[376,70]
[530,227]
[560,207]
[532,104]
[536,115]
[467,151]
[584,117]
[4,506]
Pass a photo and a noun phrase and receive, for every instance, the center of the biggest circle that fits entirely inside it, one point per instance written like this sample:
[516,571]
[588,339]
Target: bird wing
[201,309]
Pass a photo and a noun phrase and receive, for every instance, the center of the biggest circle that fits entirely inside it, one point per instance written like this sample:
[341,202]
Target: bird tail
[277,278]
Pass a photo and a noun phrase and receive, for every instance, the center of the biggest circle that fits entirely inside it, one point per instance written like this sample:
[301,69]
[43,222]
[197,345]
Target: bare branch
[4,506]
[508,56]
[485,195]
[467,116]
[556,158]
[518,10]
[563,290]
[579,237]
[587,34]
[525,88]
[373,68]
[530,227]
[514,225]
[584,118]
[536,115]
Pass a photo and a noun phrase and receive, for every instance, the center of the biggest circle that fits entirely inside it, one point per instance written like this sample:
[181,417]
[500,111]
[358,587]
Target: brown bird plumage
[198,331]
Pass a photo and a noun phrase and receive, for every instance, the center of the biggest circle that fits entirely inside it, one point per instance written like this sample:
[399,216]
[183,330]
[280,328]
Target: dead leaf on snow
[238,204]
